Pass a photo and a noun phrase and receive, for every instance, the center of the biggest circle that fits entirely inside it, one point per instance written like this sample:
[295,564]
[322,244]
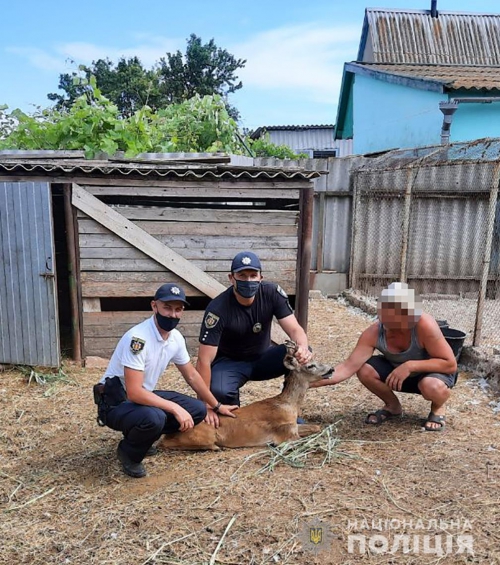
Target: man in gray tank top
[415,358]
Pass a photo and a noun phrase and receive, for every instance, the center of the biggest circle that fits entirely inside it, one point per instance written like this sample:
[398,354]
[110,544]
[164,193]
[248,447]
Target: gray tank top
[413,353]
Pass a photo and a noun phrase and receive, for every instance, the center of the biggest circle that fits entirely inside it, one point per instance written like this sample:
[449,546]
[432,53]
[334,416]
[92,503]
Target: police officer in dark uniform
[235,336]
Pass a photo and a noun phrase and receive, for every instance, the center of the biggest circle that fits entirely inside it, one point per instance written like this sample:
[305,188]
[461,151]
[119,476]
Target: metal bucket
[443,323]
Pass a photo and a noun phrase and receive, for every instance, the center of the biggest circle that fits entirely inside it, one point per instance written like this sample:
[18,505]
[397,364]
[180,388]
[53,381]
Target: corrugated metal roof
[413,36]
[482,151]
[181,170]
[451,76]
[300,140]
[260,130]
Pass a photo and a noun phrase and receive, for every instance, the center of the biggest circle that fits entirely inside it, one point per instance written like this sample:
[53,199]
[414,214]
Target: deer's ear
[291,347]
[290,362]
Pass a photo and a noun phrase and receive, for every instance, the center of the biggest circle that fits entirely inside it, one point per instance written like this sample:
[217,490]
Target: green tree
[204,69]
[128,85]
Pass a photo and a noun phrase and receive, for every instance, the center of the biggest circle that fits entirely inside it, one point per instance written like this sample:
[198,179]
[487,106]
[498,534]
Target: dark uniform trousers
[143,425]
[229,375]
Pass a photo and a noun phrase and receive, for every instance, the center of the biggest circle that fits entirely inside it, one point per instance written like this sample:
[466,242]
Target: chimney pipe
[448,109]
[434,12]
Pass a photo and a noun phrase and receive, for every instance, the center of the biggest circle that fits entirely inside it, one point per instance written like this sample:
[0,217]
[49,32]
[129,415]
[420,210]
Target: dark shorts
[384,368]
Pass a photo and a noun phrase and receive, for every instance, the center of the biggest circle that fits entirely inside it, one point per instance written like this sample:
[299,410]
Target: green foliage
[263,147]
[204,69]
[49,380]
[94,124]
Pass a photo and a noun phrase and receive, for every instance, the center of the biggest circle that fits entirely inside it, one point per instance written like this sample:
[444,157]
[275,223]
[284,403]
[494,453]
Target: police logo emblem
[281,291]
[211,320]
[175,290]
[315,537]
[246,260]
[137,345]
[257,328]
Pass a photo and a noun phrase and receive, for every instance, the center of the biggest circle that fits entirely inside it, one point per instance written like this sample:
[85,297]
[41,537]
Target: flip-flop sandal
[381,416]
[441,420]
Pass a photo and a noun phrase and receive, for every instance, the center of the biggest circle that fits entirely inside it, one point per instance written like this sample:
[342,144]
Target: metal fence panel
[438,228]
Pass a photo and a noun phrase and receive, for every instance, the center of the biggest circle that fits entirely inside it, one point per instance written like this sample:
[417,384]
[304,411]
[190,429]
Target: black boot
[153,450]
[130,468]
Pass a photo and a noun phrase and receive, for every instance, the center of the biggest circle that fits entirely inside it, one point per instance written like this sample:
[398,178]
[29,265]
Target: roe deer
[273,420]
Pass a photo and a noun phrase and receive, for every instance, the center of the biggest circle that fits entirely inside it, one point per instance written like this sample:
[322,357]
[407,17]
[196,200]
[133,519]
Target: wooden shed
[85,243]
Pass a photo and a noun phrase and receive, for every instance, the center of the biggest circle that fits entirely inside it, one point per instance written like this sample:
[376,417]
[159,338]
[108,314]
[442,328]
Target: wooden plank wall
[103,330]
[112,268]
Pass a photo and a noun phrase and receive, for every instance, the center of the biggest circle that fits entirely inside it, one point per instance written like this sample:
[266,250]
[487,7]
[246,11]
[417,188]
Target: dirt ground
[64,500]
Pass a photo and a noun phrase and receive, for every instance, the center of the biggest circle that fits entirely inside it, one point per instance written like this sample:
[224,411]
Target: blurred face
[394,317]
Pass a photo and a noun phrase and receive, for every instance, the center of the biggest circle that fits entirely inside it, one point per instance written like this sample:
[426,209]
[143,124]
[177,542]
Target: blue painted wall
[473,121]
[387,116]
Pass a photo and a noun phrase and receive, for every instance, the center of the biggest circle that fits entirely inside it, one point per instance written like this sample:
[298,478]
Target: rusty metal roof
[69,167]
[451,77]
[413,36]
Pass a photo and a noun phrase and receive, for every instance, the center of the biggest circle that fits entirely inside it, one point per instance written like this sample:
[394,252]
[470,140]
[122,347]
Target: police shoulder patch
[211,320]
[137,345]
[281,291]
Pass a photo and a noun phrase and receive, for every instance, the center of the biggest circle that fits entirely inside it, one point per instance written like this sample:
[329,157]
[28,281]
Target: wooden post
[321,232]
[304,256]
[72,270]
[492,207]
[355,208]
[406,224]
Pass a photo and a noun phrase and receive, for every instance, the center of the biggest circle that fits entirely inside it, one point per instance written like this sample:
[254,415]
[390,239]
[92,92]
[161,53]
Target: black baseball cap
[169,292]
[245,260]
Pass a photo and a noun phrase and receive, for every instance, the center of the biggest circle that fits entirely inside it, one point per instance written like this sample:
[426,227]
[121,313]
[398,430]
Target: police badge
[211,320]
[257,328]
[137,345]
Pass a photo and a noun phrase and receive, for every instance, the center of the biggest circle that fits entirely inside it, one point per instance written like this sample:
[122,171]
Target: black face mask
[247,289]
[165,322]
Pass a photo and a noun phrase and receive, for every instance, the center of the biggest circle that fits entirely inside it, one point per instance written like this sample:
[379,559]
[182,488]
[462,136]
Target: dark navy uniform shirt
[243,332]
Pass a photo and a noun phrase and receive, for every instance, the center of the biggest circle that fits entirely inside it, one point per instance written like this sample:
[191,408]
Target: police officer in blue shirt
[235,336]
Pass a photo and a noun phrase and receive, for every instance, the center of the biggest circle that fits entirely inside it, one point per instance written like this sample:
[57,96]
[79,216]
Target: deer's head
[312,371]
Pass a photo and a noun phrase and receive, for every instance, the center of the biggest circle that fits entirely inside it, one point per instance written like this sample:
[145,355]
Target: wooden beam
[248,192]
[147,264]
[192,254]
[235,244]
[208,215]
[86,225]
[91,304]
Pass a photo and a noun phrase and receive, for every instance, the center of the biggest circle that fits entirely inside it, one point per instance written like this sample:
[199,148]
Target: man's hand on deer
[212,417]
[303,355]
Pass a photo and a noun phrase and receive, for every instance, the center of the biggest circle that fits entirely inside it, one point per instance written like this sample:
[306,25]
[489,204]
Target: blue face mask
[165,322]
[247,289]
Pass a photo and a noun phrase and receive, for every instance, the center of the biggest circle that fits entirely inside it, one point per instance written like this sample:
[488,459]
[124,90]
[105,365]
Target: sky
[295,49]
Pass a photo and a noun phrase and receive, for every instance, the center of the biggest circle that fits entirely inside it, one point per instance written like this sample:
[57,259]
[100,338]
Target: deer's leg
[200,437]
[308,429]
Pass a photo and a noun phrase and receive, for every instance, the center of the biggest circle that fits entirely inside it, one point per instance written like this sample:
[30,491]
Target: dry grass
[64,500]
